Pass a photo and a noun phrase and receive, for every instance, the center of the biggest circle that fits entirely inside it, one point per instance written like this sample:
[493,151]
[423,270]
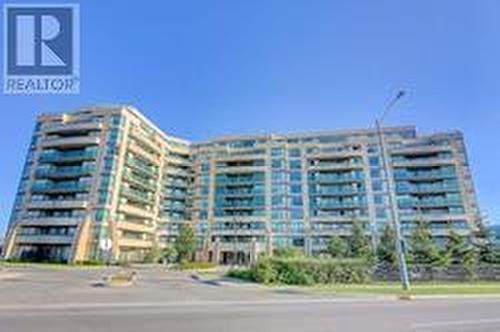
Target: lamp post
[403,270]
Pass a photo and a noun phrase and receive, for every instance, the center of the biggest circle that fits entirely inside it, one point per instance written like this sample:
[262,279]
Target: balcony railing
[67,156]
[61,187]
[65,171]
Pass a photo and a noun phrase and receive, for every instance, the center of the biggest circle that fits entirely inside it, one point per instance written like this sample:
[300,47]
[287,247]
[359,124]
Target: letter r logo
[39,40]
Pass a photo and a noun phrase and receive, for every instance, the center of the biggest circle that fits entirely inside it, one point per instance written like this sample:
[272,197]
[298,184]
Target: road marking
[59,306]
[457,322]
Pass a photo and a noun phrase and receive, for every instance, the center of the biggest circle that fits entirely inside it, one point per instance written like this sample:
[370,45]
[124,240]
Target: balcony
[441,202]
[71,127]
[140,152]
[148,141]
[139,181]
[336,178]
[45,239]
[424,175]
[70,142]
[142,168]
[134,243]
[52,221]
[136,227]
[67,156]
[178,161]
[178,172]
[240,169]
[61,187]
[336,166]
[136,195]
[428,189]
[62,204]
[337,192]
[339,205]
[136,211]
[65,172]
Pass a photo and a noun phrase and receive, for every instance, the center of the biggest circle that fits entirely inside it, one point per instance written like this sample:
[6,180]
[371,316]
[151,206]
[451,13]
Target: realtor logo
[41,49]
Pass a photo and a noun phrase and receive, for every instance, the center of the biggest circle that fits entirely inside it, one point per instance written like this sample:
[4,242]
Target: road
[47,300]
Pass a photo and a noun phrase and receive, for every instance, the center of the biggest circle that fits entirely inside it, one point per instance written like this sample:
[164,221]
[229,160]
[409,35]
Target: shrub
[264,271]
[288,252]
[308,271]
[243,274]
[338,247]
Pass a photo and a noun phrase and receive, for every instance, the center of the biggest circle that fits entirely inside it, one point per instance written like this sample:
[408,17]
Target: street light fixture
[403,270]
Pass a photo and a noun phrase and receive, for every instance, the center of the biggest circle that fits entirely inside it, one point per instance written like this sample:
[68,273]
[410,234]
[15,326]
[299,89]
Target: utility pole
[403,270]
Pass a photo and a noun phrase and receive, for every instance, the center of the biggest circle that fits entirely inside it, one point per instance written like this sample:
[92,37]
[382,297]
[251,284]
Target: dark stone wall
[487,272]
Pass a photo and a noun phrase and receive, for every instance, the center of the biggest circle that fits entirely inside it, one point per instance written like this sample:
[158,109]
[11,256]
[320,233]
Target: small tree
[459,251]
[423,249]
[488,252]
[288,252]
[386,248]
[153,255]
[360,246]
[169,254]
[337,247]
[185,245]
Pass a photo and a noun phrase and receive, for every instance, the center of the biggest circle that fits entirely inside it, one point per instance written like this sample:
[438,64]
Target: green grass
[50,264]
[418,288]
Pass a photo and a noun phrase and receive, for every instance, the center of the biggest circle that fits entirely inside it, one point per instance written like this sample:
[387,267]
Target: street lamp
[403,270]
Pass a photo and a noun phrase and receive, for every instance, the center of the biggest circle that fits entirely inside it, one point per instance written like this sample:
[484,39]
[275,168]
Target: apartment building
[100,183]
[105,183]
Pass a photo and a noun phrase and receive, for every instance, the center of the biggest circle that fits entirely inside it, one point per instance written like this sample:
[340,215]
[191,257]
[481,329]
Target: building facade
[105,183]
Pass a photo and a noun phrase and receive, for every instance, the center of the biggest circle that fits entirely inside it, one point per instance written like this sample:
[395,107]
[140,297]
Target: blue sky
[205,68]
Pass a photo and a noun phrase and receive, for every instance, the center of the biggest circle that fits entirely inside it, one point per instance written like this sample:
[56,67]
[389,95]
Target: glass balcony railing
[424,174]
[430,202]
[65,171]
[61,186]
[336,191]
[426,188]
[69,155]
[336,177]
[140,166]
[134,194]
[337,205]
[139,180]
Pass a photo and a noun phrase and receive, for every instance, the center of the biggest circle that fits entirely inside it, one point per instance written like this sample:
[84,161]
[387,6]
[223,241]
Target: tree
[423,249]
[488,252]
[152,255]
[288,252]
[460,251]
[386,248]
[337,247]
[185,245]
[359,246]
[169,254]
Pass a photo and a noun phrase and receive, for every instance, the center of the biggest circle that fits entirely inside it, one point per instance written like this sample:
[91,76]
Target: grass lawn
[418,288]
[48,265]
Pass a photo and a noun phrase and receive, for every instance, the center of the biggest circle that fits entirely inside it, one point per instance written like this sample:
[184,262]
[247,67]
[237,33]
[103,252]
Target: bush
[243,274]
[305,271]
[288,252]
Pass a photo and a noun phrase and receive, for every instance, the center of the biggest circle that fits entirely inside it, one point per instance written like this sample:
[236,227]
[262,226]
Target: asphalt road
[45,300]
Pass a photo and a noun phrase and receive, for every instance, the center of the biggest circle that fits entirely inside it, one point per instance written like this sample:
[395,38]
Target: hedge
[305,271]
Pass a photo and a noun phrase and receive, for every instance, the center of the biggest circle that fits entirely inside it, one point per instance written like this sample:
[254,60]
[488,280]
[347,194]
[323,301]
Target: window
[294,153]
[295,164]
[374,161]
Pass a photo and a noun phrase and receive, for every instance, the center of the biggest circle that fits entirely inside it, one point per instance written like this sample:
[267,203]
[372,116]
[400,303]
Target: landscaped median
[349,277]
[305,271]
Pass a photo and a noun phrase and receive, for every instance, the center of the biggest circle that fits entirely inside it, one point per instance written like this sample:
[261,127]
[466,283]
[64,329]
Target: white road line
[59,306]
[457,322]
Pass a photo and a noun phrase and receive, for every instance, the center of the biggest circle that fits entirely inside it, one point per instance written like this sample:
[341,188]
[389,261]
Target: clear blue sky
[204,68]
